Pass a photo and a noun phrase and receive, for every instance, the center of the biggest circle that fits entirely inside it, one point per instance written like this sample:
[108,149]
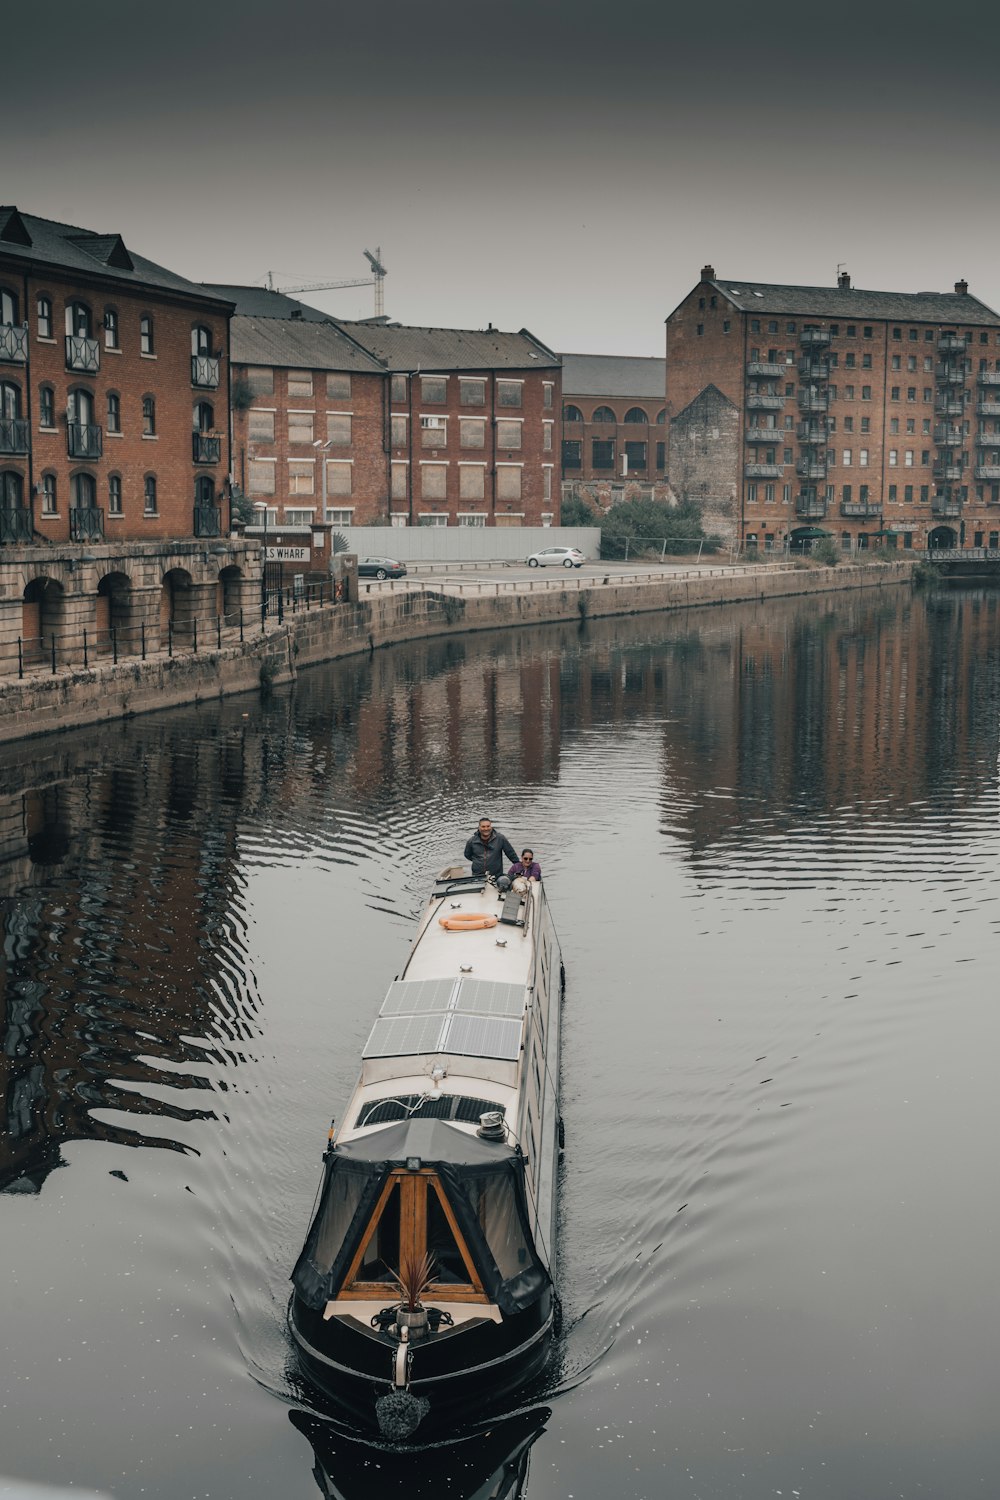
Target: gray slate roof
[431,349]
[296,344]
[854,302]
[258,302]
[613,375]
[86,252]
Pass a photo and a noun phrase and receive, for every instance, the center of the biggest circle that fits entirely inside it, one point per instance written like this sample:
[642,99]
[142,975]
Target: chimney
[844,281]
[962,288]
[708,273]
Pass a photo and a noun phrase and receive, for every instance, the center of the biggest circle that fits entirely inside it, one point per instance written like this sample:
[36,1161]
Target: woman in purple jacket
[526,865]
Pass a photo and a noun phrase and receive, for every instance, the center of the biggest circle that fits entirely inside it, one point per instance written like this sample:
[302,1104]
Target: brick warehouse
[870,416]
[114,444]
[614,438]
[380,422]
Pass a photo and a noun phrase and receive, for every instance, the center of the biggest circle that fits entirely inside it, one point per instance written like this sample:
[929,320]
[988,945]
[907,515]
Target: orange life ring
[467,921]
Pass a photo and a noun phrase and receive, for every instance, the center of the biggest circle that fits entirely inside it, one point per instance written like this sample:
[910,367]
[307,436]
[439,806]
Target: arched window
[8,305]
[10,401]
[203,417]
[78,320]
[111,328]
[149,494]
[114,412]
[572,414]
[204,490]
[661,417]
[148,416]
[604,414]
[84,488]
[114,494]
[11,489]
[49,496]
[46,406]
[636,414]
[201,340]
[80,407]
[146,334]
[43,310]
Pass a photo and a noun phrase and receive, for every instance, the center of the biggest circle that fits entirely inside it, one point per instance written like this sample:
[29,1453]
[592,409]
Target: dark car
[380,567]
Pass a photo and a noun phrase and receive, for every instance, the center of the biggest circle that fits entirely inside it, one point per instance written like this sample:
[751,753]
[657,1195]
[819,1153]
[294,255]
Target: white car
[565,557]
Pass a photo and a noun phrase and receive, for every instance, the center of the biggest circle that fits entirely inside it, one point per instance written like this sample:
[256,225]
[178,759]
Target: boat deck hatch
[459,1107]
[513,913]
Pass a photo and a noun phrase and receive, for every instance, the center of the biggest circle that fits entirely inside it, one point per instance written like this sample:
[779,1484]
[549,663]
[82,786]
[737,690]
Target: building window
[398,386]
[339,429]
[863,458]
[433,390]
[661,455]
[260,379]
[340,517]
[46,406]
[149,495]
[509,393]
[868,332]
[725,325]
[635,455]
[426,520]
[338,385]
[908,458]
[84,487]
[300,426]
[300,383]
[897,333]
[472,519]
[603,414]
[848,393]
[866,393]
[897,363]
[473,392]
[299,517]
[572,457]
[893,457]
[301,477]
[546,437]
[433,481]
[472,432]
[572,414]
[850,360]
[603,453]
[894,393]
[48,494]
[397,487]
[398,430]
[114,412]
[908,493]
[866,424]
[78,323]
[260,426]
[146,345]
[636,414]
[508,482]
[769,494]
[43,308]
[114,495]
[260,477]
[845,494]
[699,329]
[148,416]
[340,477]
[110,328]
[547,395]
[471,482]
[508,434]
[848,424]
[846,458]
[434,432]
[751,494]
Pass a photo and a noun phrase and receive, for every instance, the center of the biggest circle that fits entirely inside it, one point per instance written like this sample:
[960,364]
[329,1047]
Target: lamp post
[262,505]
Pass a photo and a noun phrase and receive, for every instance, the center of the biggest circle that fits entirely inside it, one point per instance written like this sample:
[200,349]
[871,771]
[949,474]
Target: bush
[575,511]
[646,524]
[824,550]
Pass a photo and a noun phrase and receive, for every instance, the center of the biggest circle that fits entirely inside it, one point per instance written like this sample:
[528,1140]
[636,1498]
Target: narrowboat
[426,1282]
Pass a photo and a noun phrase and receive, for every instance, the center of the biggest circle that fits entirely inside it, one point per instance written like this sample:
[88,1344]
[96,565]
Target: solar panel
[483,1036]
[411,997]
[489,997]
[402,1036]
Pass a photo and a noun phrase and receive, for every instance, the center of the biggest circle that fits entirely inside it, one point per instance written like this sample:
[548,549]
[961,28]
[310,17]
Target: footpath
[43,702]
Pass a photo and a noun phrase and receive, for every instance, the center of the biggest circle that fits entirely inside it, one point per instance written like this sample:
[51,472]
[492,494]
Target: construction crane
[376,279]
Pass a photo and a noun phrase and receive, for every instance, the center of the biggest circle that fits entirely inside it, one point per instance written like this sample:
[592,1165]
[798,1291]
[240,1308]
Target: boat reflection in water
[491,1465]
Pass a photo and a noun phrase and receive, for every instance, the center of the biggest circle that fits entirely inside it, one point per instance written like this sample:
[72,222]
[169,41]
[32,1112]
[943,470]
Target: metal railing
[765,402]
[987,471]
[17,524]
[14,434]
[861,508]
[13,344]
[818,401]
[84,440]
[988,377]
[815,338]
[950,373]
[768,437]
[204,372]
[82,354]
[208,520]
[762,471]
[952,343]
[86,523]
[758,369]
[206,448]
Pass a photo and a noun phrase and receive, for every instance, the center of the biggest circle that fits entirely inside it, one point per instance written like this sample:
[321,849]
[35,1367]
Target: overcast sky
[563,167]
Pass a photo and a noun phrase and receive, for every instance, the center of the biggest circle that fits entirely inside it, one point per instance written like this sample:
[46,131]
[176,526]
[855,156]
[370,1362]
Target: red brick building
[873,417]
[361,423]
[614,438]
[114,389]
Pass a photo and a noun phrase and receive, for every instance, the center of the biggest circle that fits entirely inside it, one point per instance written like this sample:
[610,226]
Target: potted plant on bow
[413,1278]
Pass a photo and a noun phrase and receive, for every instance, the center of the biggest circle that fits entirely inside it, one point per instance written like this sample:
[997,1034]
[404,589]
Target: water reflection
[491,1465]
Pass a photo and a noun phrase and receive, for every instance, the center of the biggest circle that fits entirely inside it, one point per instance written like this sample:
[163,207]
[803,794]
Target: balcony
[208,520]
[861,508]
[987,471]
[205,372]
[988,377]
[815,338]
[772,436]
[952,343]
[765,403]
[949,437]
[987,439]
[950,373]
[814,400]
[83,355]
[13,344]
[760,370]
[84,440]
[16,525]
[947,472]
[812,432]
[86,524]
[13,435]
[811,468]
[810,506]
[945,505]
[988,408]
[762,471]
[949,406]
[814,369]
[205,448]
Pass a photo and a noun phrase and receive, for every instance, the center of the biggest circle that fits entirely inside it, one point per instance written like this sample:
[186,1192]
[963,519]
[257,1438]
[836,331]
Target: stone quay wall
[45,702]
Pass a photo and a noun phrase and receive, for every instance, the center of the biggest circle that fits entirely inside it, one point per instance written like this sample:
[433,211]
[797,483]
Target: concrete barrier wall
[44,703]
[467,543]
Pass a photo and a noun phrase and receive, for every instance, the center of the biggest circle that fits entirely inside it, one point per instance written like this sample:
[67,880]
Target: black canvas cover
[483,1181]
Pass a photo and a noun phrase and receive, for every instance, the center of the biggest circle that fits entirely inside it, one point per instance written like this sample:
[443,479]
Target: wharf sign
[287,554]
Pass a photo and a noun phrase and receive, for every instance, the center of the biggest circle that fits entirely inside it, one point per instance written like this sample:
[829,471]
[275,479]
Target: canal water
[770,839]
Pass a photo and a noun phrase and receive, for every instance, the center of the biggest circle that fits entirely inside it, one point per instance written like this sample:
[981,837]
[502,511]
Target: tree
[575,511]
[646,524]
